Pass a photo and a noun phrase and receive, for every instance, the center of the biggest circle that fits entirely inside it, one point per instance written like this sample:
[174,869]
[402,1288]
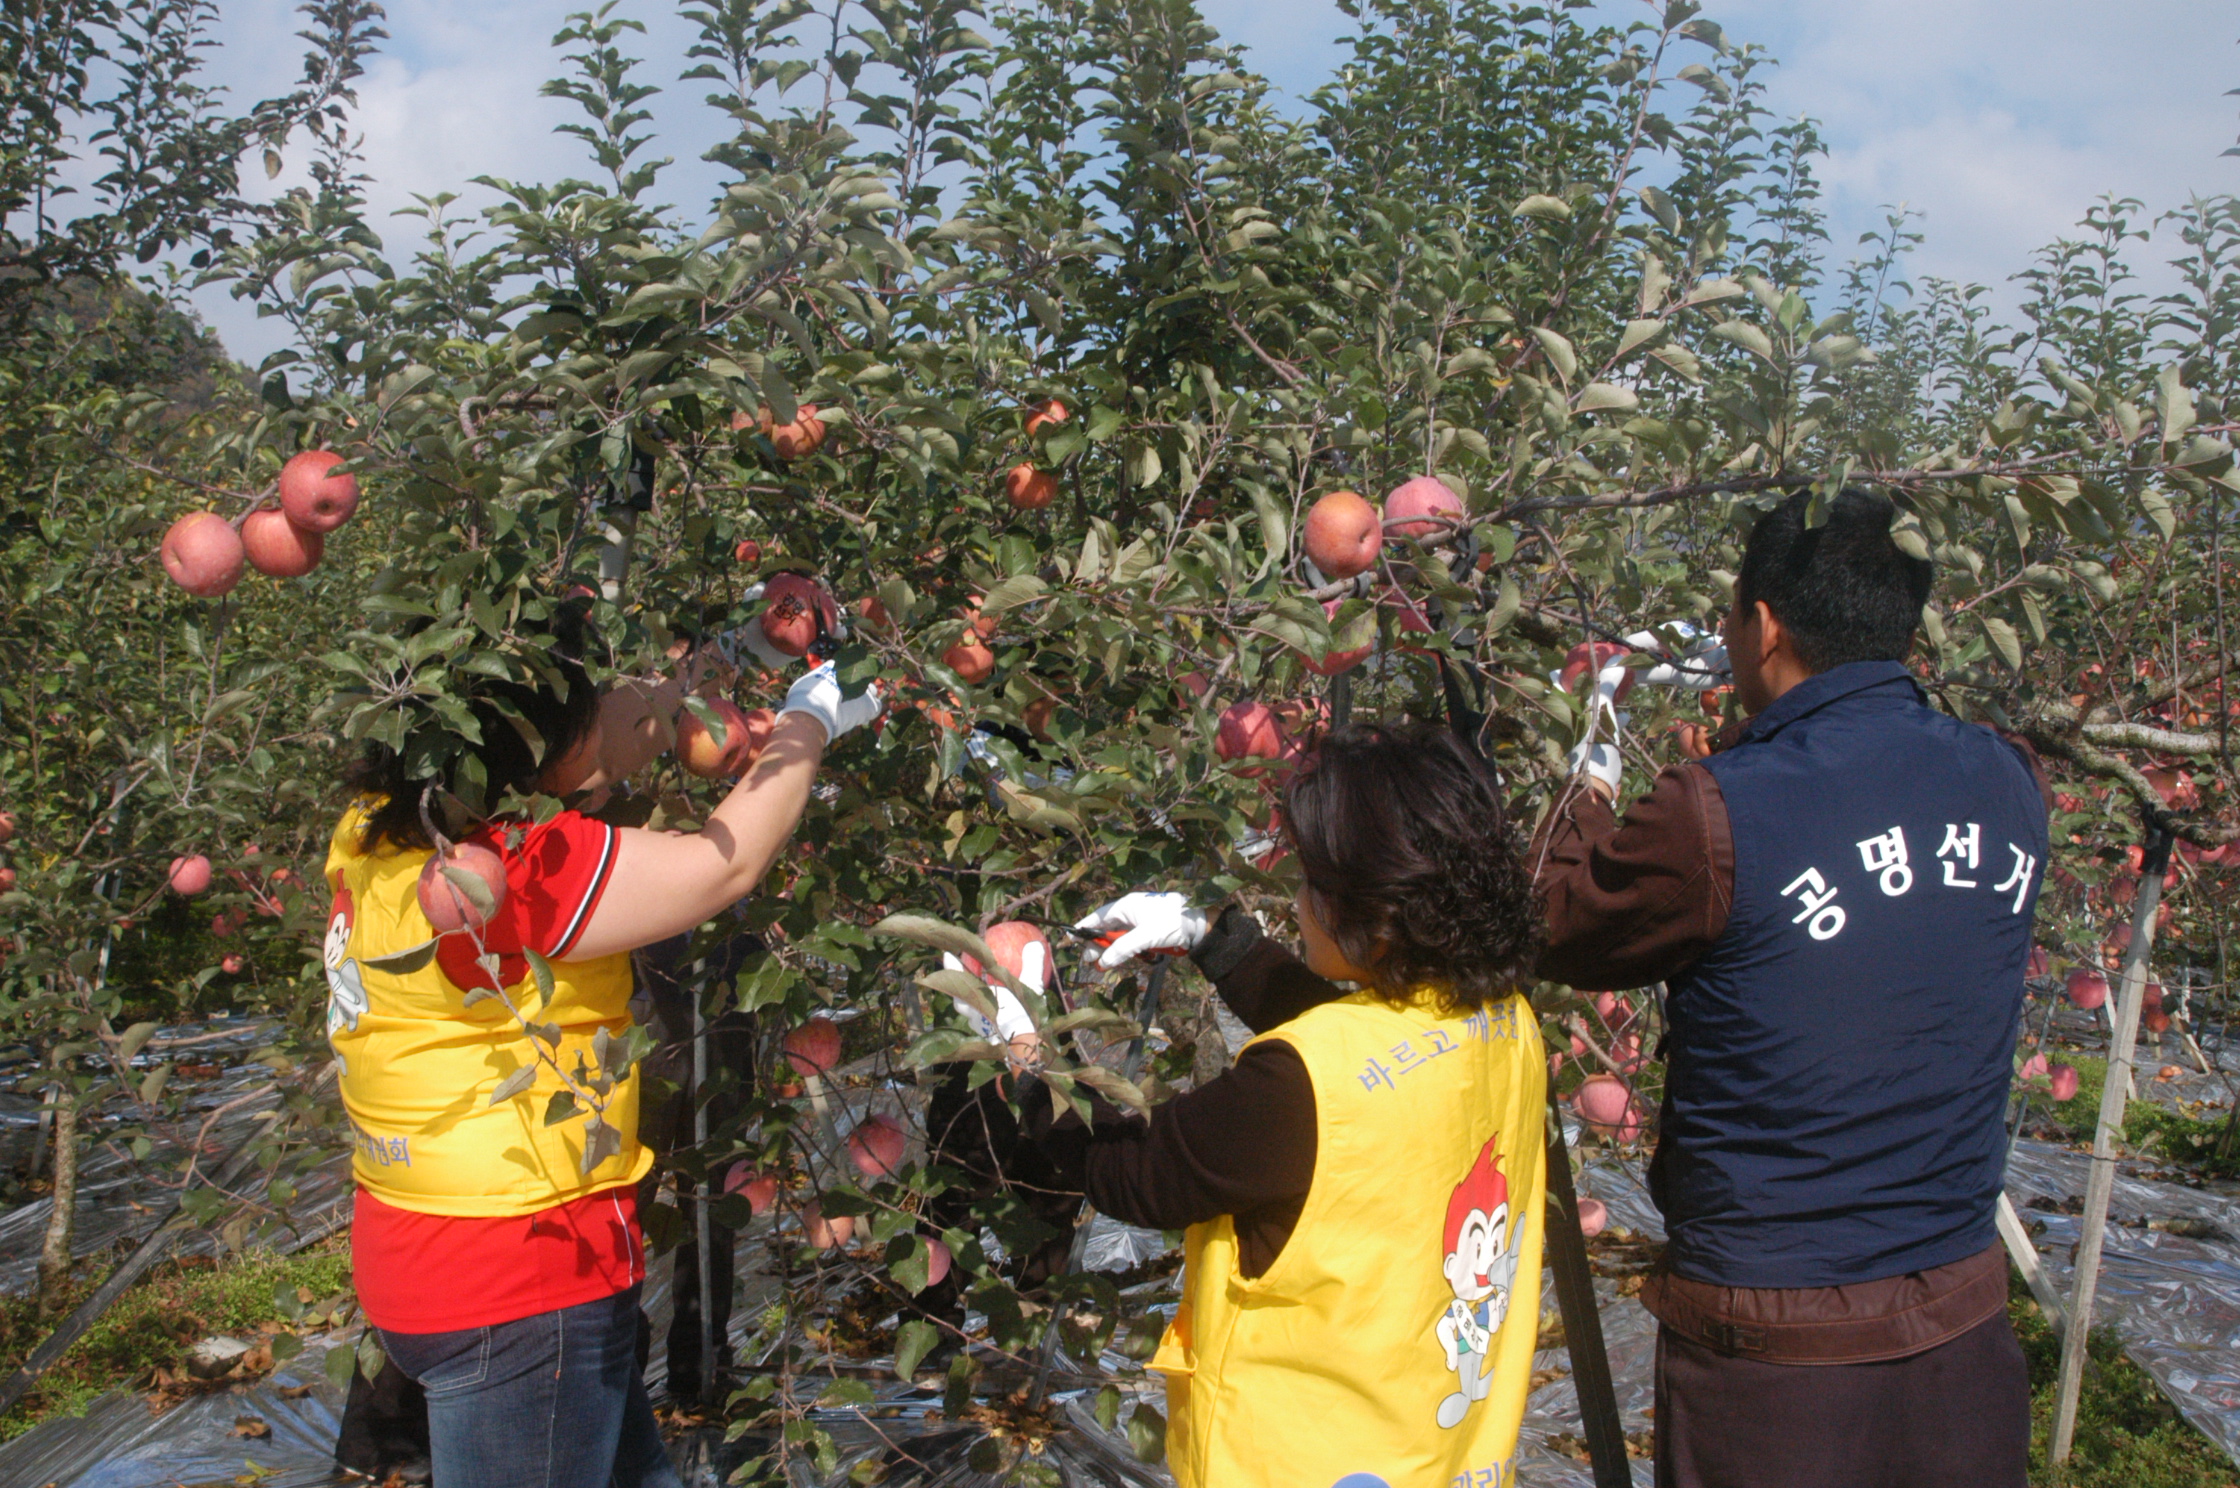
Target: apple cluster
[205,554]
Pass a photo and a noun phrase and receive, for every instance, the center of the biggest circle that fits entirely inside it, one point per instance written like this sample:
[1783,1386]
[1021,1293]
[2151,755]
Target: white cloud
[2003,121]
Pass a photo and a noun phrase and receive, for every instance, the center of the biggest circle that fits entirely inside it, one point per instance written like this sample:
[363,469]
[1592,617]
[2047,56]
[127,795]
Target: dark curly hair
[559,712]
[1415,871]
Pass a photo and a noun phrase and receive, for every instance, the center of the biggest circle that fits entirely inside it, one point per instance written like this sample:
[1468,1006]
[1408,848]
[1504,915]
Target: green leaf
[541,969]
[600,1142]
[1746,336]
[1639,333]
[404,962]
[340,1364]
[2004,641]
[1600,396]
[560,1108]
[134,1040]
[1561,354]
[513,1084]
[1544,208]
[476,891]
[1011,593]
[912,1342]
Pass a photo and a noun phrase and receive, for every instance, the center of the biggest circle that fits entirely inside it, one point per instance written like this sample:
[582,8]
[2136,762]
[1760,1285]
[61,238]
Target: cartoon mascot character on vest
[346,987]
[1481,1267]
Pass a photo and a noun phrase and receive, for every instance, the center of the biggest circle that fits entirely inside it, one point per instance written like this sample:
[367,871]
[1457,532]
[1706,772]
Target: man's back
[1841,1053]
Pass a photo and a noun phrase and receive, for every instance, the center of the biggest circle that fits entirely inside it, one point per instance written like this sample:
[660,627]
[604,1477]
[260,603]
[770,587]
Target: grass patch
[155,1322]
[2129,1435]
[2150,1129]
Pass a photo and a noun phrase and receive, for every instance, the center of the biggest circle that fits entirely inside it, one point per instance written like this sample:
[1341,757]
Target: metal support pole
[702,1237]
[1582,1320]
[2100,1185]
[1153,981]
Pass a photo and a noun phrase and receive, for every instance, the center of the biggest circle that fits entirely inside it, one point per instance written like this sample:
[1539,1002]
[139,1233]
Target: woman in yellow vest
[1362,1188]
[495,1239]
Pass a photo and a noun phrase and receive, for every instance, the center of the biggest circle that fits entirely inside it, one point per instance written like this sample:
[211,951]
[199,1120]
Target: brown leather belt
[1888,1318]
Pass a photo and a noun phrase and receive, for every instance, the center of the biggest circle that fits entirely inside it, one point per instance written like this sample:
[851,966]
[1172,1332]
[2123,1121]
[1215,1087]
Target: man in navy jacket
[1839,901]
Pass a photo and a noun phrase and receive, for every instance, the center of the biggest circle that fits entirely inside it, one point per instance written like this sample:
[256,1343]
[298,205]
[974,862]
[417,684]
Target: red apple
[1009,940]
[2040,964]
[984,625]
[938,1260]
[876,1147]
[2087,988]
[1249,730]
[1037,716]
[1029,489]
[189,876]
[792,607]
[7,829]
[760,1189]
[314,499]
[1585,663]
[1343,535]
[804,436]
[2155,1020]
[814,1047]
[7,879]
[747,551]
[1603,1102]
[232,965]
[744,736]
[1046,414]
[970,659]
[825,1234]
[1594,1217]
[2032,1068]
[2064,1080]
[444,903]
[203,555]
[1425,496]
[278,548]
[1194,683]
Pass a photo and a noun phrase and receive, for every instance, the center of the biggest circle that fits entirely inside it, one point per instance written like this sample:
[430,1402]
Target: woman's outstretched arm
[665,883]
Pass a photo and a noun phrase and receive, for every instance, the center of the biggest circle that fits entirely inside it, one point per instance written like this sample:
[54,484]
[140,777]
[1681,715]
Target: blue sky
[2002,120]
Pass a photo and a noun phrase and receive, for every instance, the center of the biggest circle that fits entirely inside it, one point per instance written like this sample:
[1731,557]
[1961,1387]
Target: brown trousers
[1953,1416]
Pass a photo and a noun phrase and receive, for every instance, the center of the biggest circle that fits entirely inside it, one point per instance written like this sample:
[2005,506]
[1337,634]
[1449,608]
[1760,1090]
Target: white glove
[1012,1018]
[1145,922]
[818,694]
[1700,668]
[1595,757]
[1599,762]
[756,644]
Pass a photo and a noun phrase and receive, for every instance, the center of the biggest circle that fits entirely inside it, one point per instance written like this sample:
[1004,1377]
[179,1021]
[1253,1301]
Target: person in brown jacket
[1836,898]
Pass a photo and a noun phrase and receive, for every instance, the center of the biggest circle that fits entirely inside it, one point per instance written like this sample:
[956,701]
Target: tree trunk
[54,1251]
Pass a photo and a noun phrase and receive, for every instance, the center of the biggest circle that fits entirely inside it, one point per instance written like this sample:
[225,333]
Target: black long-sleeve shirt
[1243,1143]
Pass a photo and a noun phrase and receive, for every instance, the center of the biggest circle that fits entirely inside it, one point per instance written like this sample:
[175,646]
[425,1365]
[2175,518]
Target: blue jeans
[550,1401]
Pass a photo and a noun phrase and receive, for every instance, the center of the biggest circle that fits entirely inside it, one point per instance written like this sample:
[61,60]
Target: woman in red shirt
[497,1251]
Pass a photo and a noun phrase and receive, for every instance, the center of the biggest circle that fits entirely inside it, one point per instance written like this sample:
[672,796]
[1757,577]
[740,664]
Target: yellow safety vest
[1390,1345]
[419,1066]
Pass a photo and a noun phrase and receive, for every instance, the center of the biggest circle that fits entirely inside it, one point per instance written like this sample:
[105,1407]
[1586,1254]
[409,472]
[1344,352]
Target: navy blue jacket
[1840,1054]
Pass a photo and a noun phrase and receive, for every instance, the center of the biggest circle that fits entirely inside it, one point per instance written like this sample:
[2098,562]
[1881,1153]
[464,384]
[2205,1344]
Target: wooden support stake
[2100,1185]
[1582,1321]
[2025,1258]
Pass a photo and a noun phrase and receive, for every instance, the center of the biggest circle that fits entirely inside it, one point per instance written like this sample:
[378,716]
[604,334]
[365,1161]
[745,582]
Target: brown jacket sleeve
[1635,902]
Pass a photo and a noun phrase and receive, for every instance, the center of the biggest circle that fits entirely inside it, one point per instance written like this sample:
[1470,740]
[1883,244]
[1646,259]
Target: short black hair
[1415,869]
[560,709]
[1845,591]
